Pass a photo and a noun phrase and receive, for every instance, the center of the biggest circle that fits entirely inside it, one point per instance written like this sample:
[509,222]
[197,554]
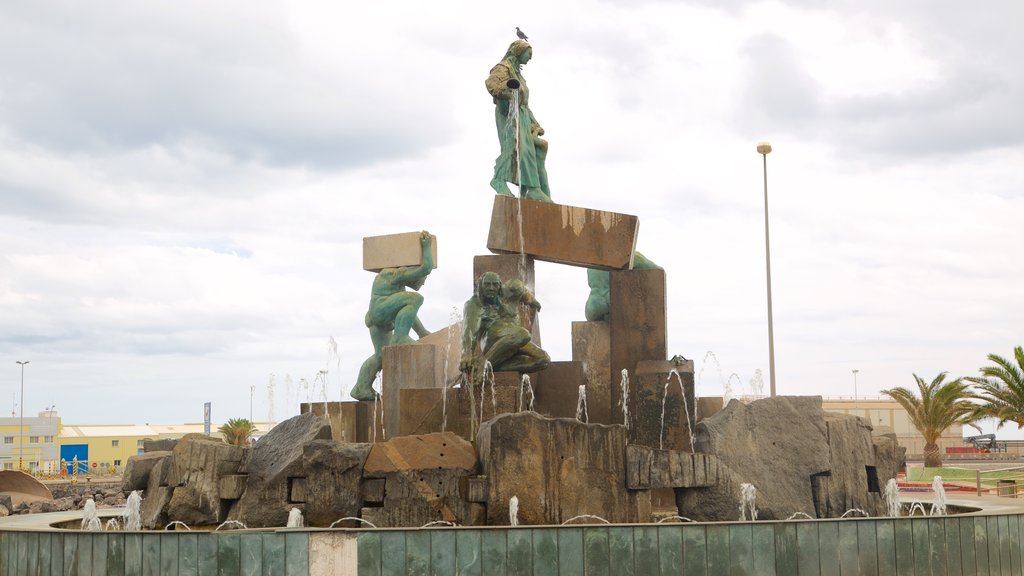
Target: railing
[1006,481]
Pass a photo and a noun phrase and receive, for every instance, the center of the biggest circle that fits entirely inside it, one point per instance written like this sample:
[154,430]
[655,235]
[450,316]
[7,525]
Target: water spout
[680,518]
[90,518]
[581,405]
[177,523]
[230,523]
[513,511]
[804,514]
[112,525]
[132,512]
[625,398]
[295,519]
[686,409]
[855,511]
[939,506]
[892,498]
[748,496]
[585,516]
[353,518]
[524,385]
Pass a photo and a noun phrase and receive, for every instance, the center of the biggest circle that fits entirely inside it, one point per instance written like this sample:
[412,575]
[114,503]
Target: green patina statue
[492,331]
[523,151]
[392,313]
[599,280]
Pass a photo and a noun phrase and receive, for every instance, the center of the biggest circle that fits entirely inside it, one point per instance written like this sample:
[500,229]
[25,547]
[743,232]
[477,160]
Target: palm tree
[237,431]
[1001,388]
[937,406]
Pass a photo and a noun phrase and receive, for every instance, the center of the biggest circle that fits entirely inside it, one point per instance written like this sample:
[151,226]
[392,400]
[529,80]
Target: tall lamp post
[764,148]
[21,426]
[855,383]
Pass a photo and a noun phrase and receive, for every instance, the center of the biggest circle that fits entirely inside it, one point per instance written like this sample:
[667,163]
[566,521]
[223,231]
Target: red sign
[93,464]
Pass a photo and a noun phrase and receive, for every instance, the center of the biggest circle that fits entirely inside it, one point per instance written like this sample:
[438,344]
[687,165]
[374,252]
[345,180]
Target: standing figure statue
[492,331]
[523,151]
[392,313]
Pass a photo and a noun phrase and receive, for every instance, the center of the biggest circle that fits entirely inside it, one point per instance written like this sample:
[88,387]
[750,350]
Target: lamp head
[764,148]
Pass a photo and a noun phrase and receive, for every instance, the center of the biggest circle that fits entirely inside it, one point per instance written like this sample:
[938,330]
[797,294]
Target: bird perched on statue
[521,35]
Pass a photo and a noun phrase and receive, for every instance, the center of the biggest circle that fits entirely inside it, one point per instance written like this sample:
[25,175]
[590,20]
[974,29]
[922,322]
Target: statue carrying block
[394,251]
[563,234]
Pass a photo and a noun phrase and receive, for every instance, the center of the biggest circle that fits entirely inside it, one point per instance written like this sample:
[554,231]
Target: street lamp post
[855,383]
[21,426]
[252,392]
[764,148]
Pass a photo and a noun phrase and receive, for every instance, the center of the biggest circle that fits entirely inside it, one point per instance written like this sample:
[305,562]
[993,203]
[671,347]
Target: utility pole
[21,426]
[764,148]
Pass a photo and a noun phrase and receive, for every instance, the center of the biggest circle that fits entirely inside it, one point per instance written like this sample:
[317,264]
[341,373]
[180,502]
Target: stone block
[650,468]
[558,389]
[232,486]
[591,345]
[334,475]
[661,405]
[373,490]
[425,409]
[423,475]
[350,421]
[562,234]
[708,406]
[474,489]
[393,251]
[448,352]
[297,490]
[136,471]
[404,367]
[637,323]
[509,267]
[558,468]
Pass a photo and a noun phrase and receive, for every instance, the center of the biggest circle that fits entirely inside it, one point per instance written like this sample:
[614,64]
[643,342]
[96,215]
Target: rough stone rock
[153,511]
[798,457]
[5,501]
[846,486]
[164,445]
[558,468]
[890,457]
[4,511]
[136,471]
[421,475]
[333,476]
[198,461]
[272,464]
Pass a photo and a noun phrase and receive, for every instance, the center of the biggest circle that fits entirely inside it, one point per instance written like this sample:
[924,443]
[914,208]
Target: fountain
[132,518]
[939,506]
[892,498]
[90,518]
[295,519]
[748,497]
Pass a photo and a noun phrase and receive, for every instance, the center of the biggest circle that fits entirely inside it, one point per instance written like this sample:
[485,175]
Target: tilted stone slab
[394,251]
[404,367]
[563,234]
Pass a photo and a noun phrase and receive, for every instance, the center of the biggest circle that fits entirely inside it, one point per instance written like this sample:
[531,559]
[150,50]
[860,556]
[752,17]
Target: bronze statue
[492,331]
[523,151]
[392,313]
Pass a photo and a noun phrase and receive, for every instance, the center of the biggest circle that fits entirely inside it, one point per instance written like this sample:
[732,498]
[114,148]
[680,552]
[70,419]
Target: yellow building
[885,413]
[104,446]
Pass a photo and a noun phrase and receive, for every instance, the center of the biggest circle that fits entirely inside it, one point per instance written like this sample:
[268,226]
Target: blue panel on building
[68,452]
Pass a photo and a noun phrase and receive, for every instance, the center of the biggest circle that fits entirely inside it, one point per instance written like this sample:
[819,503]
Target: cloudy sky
[185,185]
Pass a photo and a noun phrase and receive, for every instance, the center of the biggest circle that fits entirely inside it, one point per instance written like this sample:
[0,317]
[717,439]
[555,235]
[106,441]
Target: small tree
[1001,388]
[237,431]
[936,406]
